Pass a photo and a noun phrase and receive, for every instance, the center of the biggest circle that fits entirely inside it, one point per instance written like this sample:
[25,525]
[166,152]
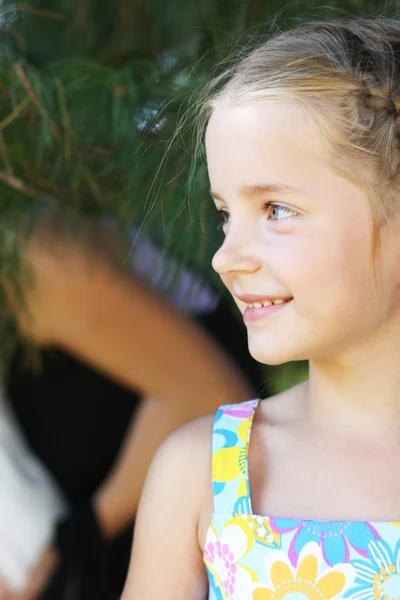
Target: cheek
[326,268]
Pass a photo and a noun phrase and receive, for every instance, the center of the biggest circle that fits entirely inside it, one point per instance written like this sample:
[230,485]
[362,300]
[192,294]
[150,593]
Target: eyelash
[223,214]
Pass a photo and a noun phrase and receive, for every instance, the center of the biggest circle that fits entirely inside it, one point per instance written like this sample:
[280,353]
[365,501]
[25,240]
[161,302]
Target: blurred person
[84,311]
[30,506]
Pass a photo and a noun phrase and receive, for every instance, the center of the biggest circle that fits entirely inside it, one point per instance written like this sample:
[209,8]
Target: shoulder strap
[230,475]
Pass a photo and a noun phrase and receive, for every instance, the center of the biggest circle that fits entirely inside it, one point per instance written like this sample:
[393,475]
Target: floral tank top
[252,557]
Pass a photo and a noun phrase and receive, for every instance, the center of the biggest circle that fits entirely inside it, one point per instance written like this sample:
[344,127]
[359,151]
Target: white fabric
[30,504]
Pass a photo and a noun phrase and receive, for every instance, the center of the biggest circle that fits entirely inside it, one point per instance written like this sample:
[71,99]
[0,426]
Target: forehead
[270,143]
[261,142]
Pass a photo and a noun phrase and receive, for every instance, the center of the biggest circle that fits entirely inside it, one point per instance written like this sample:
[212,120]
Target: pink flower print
[244,410]
[222,556]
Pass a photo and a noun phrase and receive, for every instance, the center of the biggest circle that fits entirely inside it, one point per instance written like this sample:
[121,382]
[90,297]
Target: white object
[30,504]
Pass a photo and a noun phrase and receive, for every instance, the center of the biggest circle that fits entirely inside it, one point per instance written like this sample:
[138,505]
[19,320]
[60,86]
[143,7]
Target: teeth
[265,303]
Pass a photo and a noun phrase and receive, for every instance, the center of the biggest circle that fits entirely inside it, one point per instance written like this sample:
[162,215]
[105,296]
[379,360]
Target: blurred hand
[38,580]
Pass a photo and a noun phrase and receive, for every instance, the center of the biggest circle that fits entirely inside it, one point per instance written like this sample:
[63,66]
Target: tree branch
[20,186]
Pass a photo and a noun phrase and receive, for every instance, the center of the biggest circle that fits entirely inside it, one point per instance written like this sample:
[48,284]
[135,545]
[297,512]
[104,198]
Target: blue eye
[278,212]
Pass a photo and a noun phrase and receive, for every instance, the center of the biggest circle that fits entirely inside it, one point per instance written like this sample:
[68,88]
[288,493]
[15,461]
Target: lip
[252,298]
[252,315]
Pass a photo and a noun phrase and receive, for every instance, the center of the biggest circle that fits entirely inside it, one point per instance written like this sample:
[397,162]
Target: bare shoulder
[167,523]
[180,474]
[191,441]
[185,455]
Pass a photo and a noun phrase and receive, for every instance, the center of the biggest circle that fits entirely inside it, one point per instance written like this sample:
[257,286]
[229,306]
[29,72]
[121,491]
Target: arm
[108,319]
[117,500]
[85,305]
[167,559]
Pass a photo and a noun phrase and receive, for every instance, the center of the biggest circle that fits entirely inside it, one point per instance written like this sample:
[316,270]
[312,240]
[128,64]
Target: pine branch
[20,186]
[5,156]
[33,96]
[65,119]
[17,112]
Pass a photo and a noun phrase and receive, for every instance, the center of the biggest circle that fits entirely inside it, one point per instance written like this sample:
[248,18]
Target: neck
[359,392]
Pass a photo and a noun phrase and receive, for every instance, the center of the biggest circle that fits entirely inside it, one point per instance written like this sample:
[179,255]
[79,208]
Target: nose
[236,255]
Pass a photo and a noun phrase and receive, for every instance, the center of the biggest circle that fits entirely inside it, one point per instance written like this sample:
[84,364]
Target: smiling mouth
[257,311]
[267,303]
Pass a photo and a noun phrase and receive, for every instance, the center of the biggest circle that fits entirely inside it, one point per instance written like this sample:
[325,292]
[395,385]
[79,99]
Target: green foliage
[90,94]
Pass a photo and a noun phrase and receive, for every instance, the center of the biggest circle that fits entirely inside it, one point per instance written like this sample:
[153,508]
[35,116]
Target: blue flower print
[334,538]
[379,577]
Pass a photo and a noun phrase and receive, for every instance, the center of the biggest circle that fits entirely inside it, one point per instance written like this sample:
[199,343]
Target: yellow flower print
[286,582]
[262,531]
[243,430]
[230,463]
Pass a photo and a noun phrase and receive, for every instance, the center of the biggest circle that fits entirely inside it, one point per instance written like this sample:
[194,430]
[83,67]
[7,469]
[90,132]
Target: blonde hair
[346,73]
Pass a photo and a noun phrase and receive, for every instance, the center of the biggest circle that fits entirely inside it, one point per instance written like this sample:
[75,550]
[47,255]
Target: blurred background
[114,329]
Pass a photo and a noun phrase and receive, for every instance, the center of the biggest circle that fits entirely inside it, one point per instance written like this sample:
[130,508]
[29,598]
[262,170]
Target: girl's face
[294,232]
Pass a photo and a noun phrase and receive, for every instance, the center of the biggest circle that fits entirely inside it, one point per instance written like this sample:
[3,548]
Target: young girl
[302,500]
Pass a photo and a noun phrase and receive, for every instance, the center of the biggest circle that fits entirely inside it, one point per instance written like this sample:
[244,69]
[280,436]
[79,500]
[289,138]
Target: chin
[272,358]
[275,354]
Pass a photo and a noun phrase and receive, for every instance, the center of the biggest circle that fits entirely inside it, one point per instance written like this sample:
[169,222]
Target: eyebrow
[259,189]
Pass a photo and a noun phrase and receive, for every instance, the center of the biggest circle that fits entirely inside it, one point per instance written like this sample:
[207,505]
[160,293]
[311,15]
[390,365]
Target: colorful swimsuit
[250,557]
